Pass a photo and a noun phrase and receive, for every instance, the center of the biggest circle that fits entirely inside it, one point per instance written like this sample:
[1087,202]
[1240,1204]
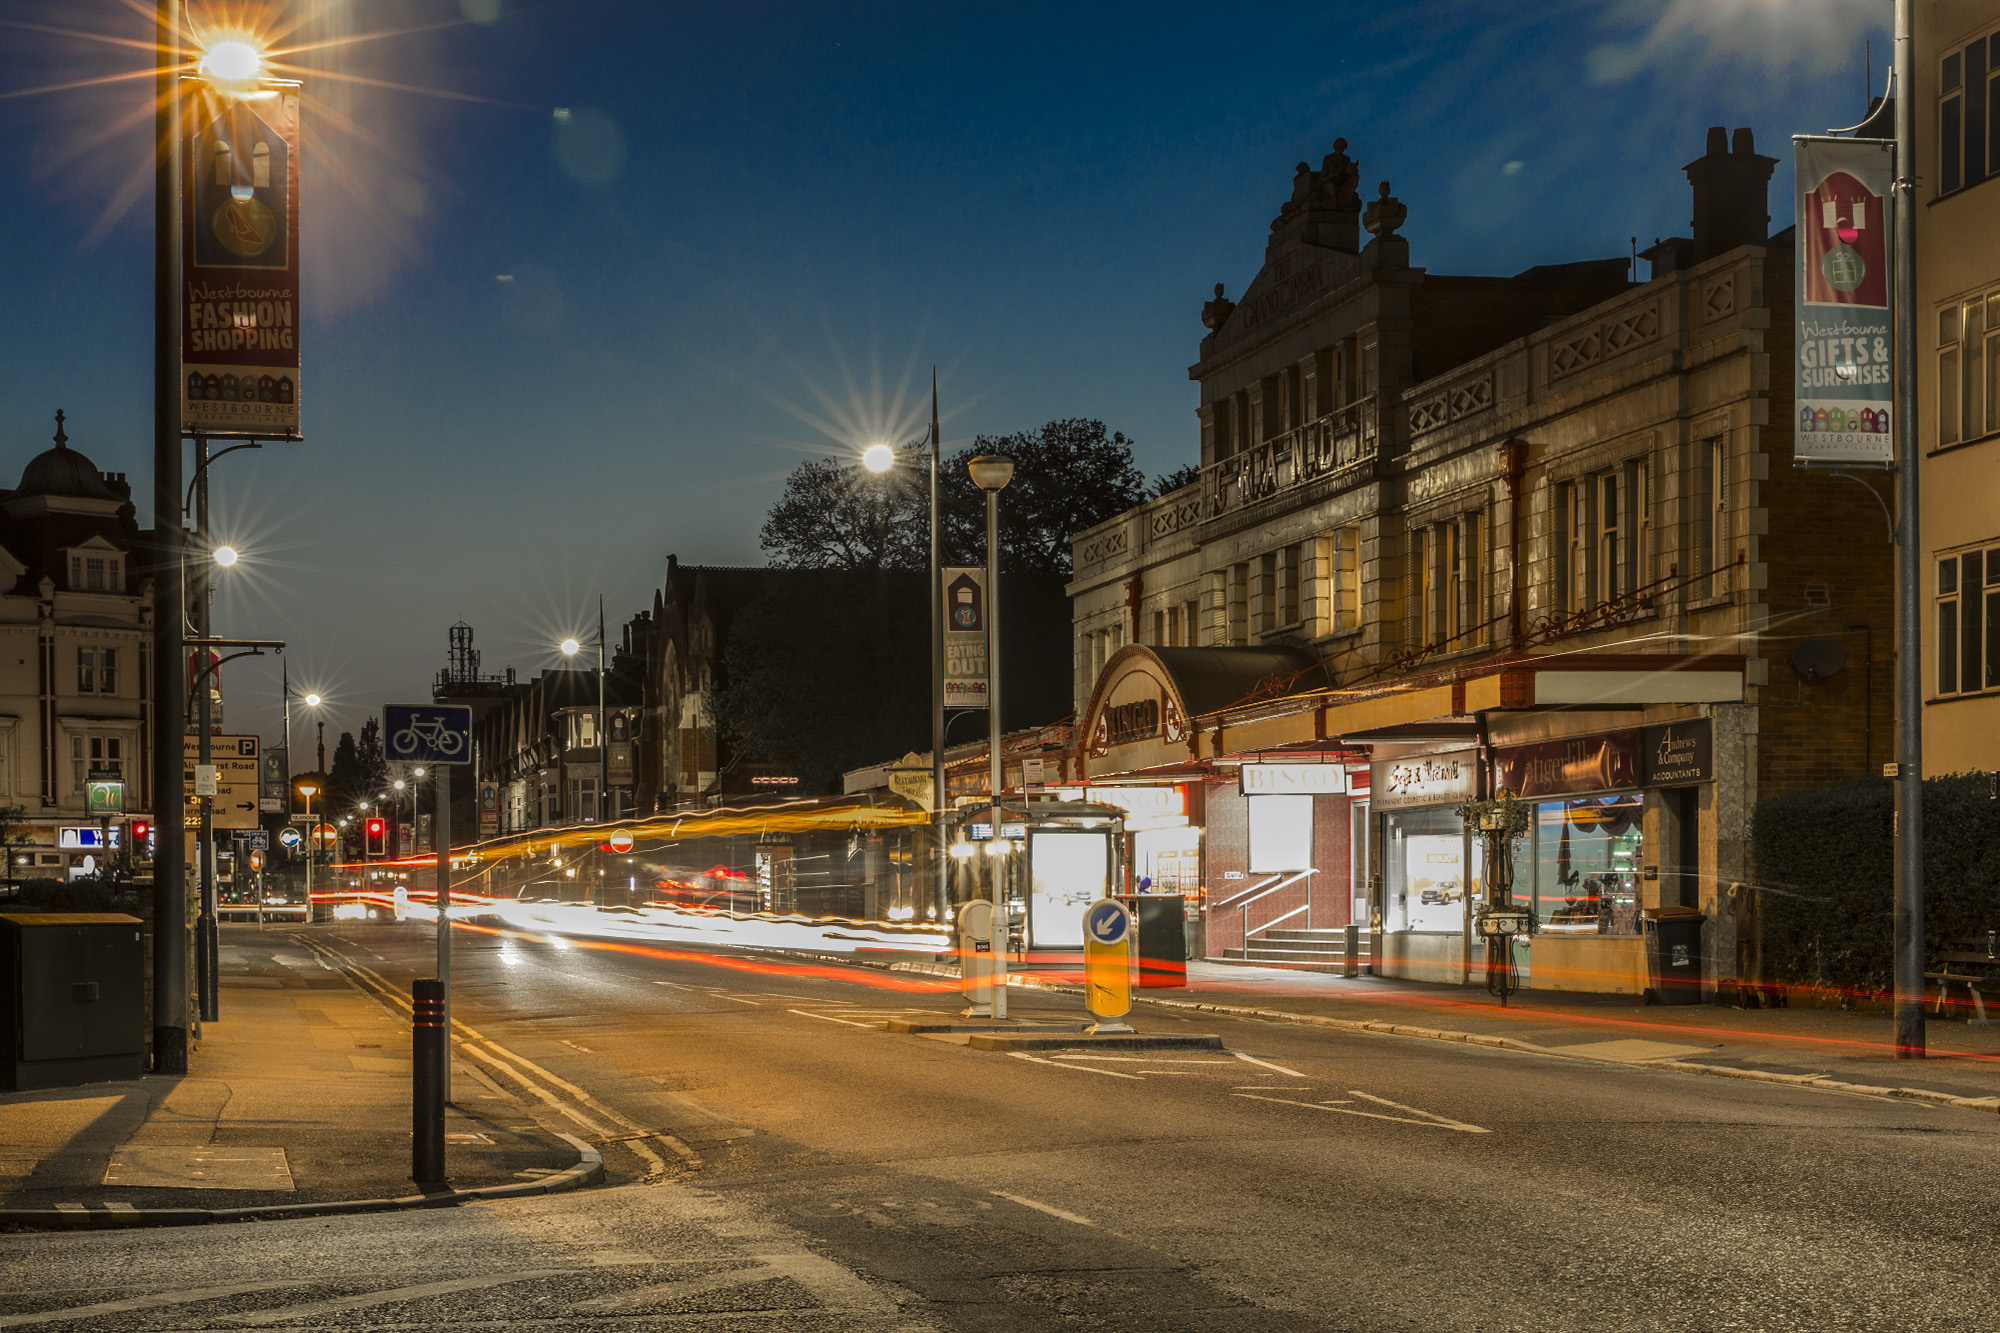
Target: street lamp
[225,556]
[991,473]
[306,789]
[570,648]
[878,458]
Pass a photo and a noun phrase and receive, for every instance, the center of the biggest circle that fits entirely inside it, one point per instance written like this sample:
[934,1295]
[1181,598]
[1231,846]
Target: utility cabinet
[72,998]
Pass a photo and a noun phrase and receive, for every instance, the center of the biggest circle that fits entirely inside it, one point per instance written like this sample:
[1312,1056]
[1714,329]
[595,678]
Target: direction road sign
[427,733]
[291,838]
[234,805]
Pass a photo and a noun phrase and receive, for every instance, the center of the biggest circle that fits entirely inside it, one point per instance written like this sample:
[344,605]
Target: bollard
[1351,965]
[430,1074]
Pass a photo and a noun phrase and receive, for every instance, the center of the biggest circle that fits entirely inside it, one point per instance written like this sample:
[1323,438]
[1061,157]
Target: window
[1968,110]
[1191,623]
[97,671]
[1581,862]
[1267,593]
[1289,568]
[1968,383]
[1159,629]
[1637,575]
[1239,604]
[1708,532]
[1968,622]
[583,798]
[95,754]
[1567,545]
[1612,544]
[1346,580]
[1469,602]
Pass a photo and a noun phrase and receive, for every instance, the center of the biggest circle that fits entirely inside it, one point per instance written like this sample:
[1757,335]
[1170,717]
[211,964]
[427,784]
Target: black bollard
[430,1081]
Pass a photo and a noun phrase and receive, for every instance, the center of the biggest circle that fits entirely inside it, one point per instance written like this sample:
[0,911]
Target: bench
[1971,962]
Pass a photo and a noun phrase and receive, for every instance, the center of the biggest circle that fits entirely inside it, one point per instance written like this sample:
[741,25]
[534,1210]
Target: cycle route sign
[427,733]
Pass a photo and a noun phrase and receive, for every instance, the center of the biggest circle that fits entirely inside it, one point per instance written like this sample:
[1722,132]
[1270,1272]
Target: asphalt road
[815,1172]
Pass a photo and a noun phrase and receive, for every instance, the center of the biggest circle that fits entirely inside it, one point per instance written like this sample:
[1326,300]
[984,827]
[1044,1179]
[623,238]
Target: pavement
[300,1095]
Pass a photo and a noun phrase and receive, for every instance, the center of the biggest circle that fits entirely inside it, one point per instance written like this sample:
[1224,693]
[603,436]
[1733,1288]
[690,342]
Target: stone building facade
[76,621]
[1541,533]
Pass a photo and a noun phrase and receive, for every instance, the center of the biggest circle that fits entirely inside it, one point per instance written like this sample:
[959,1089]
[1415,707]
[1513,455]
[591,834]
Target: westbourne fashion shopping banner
[240,262]
[1845,380]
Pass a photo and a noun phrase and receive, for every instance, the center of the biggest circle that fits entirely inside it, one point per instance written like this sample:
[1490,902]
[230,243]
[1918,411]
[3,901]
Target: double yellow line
[598,1122]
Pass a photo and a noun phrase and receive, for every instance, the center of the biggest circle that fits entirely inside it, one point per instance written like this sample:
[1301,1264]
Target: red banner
[240,261]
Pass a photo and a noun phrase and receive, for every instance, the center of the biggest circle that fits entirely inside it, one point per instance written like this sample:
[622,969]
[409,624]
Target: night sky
[587,300]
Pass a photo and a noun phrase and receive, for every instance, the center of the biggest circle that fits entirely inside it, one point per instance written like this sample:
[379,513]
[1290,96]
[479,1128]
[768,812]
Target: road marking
[315,1309]
[1082,1069]
[824,1019]
[1042,1208]
[73,1207]
[1432,1122]
[1145,1059]
[573,1046]
[1442,1120]
[1267,1064]
[694,1286]
[152,1302]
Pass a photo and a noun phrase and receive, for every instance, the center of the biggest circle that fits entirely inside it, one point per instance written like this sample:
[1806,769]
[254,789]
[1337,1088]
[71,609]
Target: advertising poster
[240,262]
[1845,378]
[965,638]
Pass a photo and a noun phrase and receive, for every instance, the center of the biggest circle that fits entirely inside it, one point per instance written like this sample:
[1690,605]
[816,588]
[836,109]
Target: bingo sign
[240,261]
[1845,384]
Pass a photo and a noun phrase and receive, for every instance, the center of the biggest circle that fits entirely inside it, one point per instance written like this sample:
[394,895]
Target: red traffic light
[140,829]
[376,829]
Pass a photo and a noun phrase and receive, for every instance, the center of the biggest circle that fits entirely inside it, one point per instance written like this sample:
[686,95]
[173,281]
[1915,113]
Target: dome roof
[63,471]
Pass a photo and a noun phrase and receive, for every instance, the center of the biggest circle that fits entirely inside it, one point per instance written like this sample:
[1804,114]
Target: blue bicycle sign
[427,733]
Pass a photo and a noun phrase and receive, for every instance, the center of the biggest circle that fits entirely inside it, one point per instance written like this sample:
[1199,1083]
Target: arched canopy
[1142,709]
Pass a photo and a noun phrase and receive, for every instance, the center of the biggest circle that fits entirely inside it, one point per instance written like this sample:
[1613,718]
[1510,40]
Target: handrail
[1243,912]
[1216,907]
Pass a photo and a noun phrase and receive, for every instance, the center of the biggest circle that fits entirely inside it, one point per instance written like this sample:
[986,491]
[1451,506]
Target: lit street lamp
[991,473]
[570,648]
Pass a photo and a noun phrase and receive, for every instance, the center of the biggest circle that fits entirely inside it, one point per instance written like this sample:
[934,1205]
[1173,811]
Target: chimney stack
[1732,186]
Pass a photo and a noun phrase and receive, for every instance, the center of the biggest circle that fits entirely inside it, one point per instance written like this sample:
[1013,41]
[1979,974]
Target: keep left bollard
[430,1081]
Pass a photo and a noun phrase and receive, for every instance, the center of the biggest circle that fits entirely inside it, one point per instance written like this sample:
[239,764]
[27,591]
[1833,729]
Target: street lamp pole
[170,960]
[603,734]
[991,473]
[1909,827]
[941,894]
[207,946]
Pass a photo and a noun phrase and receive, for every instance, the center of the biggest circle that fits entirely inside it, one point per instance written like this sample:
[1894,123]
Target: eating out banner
[240,262]
[1845,380]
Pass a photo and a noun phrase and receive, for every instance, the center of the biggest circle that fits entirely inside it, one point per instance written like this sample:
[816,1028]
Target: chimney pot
[1743,141]
[1718,141]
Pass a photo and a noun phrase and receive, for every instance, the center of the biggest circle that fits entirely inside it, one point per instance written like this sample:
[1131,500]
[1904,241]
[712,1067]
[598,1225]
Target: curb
[589,1170]
[1989,1105]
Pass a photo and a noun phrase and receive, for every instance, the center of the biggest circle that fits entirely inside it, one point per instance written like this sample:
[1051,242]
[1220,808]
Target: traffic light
[142,838]
[377,836]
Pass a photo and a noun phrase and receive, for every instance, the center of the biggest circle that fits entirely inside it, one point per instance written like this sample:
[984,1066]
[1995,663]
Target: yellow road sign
[236,787]
[1108,937]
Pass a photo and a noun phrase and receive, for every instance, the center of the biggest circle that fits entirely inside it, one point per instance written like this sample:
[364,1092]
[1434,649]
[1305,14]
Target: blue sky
[735,237]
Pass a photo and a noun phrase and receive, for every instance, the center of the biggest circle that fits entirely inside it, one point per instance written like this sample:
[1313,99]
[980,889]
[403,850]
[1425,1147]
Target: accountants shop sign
[240,262]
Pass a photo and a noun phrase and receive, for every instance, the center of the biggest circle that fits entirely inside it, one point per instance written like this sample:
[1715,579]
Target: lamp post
[880,458]
[570,648]
[991,473]
[1909,822]
[306,790]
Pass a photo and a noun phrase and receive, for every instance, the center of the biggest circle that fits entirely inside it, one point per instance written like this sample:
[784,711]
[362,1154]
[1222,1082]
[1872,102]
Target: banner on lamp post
[965,673]
[1845,378]
[240,262]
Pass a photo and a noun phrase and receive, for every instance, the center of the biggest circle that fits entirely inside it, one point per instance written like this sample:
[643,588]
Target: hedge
[1825,876]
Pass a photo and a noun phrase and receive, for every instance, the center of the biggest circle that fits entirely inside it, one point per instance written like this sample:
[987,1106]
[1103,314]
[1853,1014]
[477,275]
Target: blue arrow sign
[1106,922]
[427,733]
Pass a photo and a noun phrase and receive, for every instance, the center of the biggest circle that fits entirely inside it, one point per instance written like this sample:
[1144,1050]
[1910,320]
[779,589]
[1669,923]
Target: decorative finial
[1384,215]
[62,440]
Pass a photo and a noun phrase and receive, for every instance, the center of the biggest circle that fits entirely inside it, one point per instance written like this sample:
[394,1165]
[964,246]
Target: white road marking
[315,1309]
[1442,1120]
[152,1302]
[825,1019]
[1081,1069]
[573,1046]
[1145,1059]
[694,1286]
[720,996]
[1268,1065]
[1042,1208]
[1434,1122]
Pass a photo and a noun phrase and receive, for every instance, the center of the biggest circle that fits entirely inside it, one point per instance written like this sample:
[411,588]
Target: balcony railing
[1321,448]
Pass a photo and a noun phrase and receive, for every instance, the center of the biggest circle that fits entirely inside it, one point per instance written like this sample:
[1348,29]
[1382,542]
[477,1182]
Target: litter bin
[1673,955]
[72,998]
[1162,921]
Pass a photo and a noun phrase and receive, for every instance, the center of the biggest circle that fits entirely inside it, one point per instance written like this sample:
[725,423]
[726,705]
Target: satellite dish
[1816,659]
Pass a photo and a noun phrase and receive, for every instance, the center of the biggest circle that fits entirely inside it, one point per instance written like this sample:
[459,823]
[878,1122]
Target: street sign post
[1108,938]
[237,780]
[438,736]
[257,840]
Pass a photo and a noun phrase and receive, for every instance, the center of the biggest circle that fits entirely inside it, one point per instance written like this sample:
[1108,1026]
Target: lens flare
[232,61]
[878,458]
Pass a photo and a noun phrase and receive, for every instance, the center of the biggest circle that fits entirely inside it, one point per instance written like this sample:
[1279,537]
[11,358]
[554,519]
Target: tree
[1068,476]
[373,764]
[836,515]
[345,782]
[1187,474]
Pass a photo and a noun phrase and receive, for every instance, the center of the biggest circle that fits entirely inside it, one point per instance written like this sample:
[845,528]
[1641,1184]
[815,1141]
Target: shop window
[1968,368]
[1281,834]
[1582,863]
[1968,622]
[1424,870]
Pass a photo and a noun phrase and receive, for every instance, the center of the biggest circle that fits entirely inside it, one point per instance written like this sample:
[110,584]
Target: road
[812,1171]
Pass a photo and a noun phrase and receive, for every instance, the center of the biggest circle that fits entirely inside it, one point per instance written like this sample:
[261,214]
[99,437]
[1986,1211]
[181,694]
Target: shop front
[1585,864]
[1429,864]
